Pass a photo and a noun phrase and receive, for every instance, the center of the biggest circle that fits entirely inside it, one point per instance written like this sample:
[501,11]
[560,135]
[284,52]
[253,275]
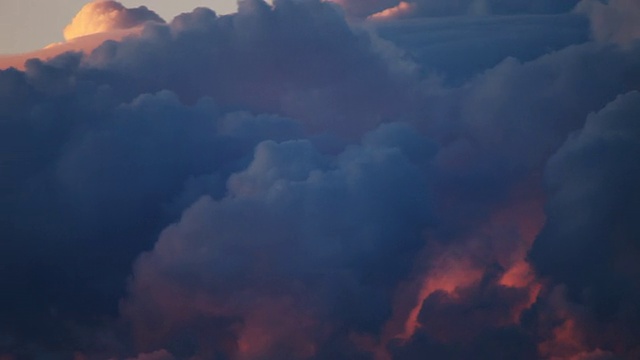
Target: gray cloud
[282,174]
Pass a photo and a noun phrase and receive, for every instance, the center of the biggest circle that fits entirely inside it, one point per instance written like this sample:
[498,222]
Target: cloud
[94,24]
[589,239]
[403,9]
[83,169]
[363,8]
[473,192]
[294,185]
[444,46]
[250,65]
[156,355]
[99,163]
[474,321]
[277,250]
[104,16]
[614,21]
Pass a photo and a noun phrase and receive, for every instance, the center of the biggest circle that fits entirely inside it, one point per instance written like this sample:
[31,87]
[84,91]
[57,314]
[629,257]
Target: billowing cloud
[471,322]
[403,9]
[303,266]
[96,23]
[106,15]
[285,183]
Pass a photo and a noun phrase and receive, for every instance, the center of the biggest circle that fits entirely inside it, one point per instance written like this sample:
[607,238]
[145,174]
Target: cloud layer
[290,182]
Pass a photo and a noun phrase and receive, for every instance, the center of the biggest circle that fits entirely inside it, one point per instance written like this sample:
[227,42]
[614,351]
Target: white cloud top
[104,16]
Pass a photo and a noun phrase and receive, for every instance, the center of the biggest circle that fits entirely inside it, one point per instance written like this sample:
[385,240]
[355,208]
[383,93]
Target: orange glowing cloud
[400,10]
[521,275]
[451,274]
[511,230]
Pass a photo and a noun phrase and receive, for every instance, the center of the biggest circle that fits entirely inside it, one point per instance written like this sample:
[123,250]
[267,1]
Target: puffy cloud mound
[302,249]
[364,8]
[106,15]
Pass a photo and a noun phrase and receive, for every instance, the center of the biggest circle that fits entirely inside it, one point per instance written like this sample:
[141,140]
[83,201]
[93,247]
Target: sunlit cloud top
[102,16]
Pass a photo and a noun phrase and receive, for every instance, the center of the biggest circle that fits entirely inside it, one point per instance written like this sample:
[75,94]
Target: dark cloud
[591,236]
[294,186]
[245,61]
[443,8]
[93,181]
[326,244]
[472,322]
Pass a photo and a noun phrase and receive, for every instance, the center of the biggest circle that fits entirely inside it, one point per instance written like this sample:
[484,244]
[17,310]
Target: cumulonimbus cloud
[283,183]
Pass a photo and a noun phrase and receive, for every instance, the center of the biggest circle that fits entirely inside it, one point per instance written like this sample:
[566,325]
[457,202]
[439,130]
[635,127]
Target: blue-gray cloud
[268,182]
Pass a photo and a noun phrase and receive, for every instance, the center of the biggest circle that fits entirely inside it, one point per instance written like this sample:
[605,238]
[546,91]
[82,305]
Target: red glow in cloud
[564,344]
[400,10]
[569,340]
[450,274]
[457,267]
[529,218]
[274,323]
[521,275]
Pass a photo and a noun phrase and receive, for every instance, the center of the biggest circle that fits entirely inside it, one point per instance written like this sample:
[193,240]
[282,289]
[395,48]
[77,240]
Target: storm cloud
[292,181]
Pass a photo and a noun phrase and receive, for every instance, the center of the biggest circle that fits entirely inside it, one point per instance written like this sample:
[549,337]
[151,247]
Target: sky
[322,180]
